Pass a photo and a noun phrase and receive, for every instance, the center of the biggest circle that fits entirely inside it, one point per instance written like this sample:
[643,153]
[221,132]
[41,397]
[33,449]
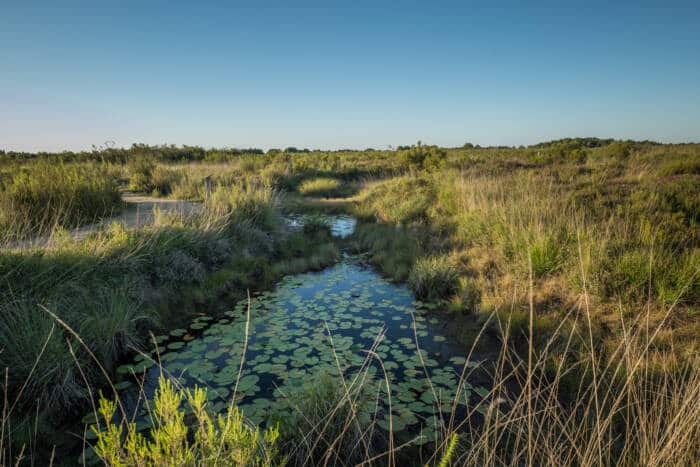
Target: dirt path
[138,212]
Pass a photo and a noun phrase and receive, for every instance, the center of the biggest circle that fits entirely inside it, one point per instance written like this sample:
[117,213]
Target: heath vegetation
[567,273]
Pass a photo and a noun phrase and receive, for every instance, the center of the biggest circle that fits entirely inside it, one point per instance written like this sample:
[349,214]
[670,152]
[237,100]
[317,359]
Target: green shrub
[222,440]
[34,349]
[140,172]
[423,157]
[469,295]
[317,226]
[164,180]
[434,278]
[400,201]
[147,177]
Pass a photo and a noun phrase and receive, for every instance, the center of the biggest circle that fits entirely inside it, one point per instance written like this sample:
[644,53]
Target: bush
[469,296]
[434,278]
[687,165]
[423,157]
[147,177]
[31,340]
[392,249]
[400,201]
[317,226]
[179,267]
[140,171]
[222,440]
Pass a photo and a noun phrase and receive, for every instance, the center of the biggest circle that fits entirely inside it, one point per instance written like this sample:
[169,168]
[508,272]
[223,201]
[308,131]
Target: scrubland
[577,261]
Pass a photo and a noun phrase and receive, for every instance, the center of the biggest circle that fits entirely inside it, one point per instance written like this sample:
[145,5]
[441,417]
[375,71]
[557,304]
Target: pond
[312,324]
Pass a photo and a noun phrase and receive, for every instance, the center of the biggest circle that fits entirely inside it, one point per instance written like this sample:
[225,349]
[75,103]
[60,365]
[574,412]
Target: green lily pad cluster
[338,321]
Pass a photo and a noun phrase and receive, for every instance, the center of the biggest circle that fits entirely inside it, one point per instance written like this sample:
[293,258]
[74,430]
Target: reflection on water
[341,225]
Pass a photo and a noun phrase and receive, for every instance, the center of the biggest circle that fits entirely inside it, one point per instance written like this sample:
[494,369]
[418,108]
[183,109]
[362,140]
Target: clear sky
[345,74]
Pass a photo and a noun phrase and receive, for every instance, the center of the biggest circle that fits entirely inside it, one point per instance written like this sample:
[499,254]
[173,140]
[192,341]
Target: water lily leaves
[176,345]
[247,383]
[226,377]
[161,339]
[395,424]
[482,391]
[459,361]
[288,342]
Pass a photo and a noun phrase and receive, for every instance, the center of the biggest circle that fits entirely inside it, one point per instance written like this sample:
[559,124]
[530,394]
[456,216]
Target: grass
[38,198]
[323,187]
[619,417]
[434,278]
[582,256]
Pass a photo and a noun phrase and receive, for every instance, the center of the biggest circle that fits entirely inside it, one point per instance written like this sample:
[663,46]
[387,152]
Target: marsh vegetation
[533,305]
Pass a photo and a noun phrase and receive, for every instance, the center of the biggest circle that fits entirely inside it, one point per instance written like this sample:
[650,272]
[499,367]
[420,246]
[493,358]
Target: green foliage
[400,201]
[469,295]
[246,203]
[147,177]
[623,215]
[434,278]
[687,165]
[324,412]
[222,440]
[317,225]
[393,250]
[546,255]
[43,196]
[423,157]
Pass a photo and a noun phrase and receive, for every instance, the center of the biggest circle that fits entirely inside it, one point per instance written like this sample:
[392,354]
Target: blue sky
[345,74]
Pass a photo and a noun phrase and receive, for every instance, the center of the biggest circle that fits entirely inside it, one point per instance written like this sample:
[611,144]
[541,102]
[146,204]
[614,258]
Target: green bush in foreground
[223,440]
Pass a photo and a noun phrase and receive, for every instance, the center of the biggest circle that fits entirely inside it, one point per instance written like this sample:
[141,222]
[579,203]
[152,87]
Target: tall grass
[40,197]
[250,202]
[533,413]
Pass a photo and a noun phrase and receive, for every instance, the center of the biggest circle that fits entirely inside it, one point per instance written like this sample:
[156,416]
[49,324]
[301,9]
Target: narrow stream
[313,324]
